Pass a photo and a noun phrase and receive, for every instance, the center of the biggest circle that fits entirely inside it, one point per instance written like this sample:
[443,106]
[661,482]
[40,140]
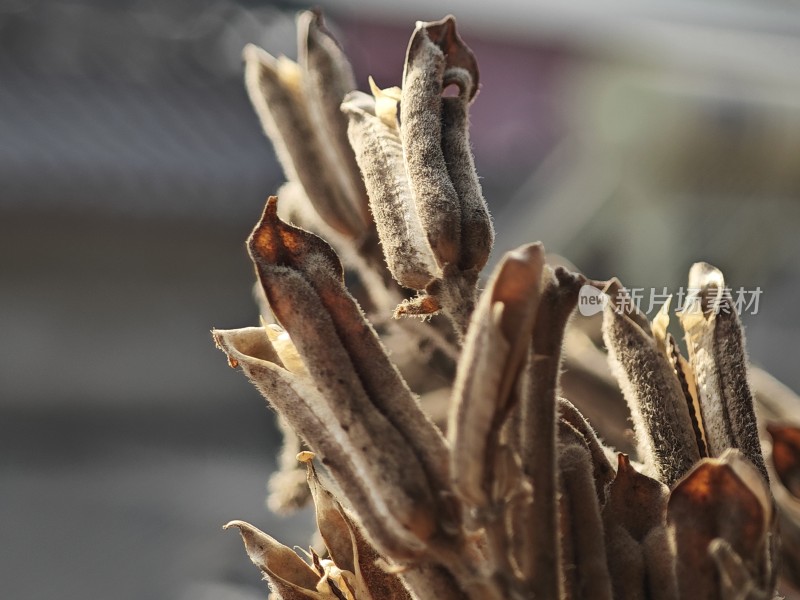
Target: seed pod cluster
[521,497]
[298,106]
[412,146]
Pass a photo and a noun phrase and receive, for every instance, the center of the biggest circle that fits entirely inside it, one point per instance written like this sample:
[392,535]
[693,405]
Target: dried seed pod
[494,353]
[342,446]
[379,153]
[288,575]
[303,281]
[723,498]
[635,509]
[602,470]
[477,233]
[328,78]
[276,90]
[666,441]
[434,196]
[275,243]
[538,420]
[717,355]
[348,547]
[585,567]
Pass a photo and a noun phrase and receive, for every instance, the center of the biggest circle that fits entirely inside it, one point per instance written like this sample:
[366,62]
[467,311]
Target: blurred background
[631,137]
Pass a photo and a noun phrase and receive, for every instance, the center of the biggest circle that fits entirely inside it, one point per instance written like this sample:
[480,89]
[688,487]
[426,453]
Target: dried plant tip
[477,233]
[723,498]
[494,352]
[458,55]
[379,153]
[328,78]
[288,575]
[715,341]
[434,196]
[406,453]
[422,306]
[661,418]
[786,455]
[275,87]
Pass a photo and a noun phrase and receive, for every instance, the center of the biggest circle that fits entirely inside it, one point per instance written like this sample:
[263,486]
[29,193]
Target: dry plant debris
[502,490]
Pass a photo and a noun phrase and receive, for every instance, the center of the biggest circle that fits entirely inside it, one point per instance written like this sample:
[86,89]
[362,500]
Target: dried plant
[520,498]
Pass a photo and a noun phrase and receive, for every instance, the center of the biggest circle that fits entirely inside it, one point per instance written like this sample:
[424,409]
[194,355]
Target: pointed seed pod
[328,78]
[538,425]
[288,575]
[494,353]
[434,196]
[477,233]
[275,88]
[663,426]
[302,279]
[715,341]
[379,154]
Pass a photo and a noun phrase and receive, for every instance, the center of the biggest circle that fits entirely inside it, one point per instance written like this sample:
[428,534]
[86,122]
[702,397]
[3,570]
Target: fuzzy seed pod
[663,426]
[477,233]
[494,353]
[585,565]
[275,88]
[302,279]
[341,445]
[379,153]
[538,424]
[328,78]
[717,356]
[434,196]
